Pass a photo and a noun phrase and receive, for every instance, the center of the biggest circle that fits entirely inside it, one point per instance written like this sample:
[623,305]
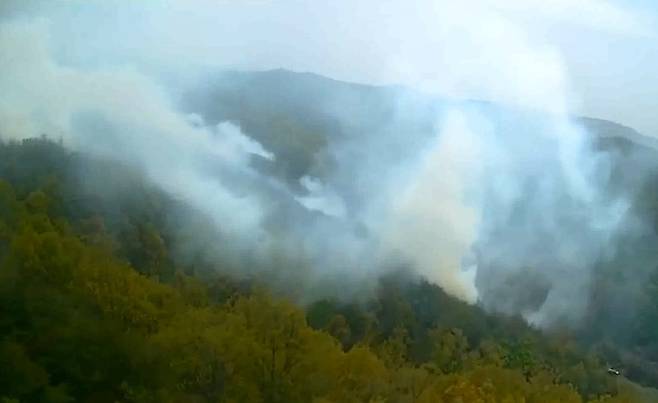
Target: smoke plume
[501,203]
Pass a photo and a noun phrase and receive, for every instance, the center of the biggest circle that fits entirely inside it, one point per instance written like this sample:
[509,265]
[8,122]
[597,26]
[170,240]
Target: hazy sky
[609,48]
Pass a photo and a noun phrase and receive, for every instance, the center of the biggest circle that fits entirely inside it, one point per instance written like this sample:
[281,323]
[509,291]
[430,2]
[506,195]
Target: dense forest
[328,202]
[97,307]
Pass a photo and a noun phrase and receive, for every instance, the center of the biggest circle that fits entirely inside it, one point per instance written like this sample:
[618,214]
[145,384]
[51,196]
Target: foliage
[94,307]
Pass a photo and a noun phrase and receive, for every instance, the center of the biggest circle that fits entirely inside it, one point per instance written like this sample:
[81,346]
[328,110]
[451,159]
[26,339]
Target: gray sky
[603,54]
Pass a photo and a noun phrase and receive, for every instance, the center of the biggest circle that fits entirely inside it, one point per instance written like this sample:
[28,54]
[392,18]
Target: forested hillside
[305,115]
[96,307]
[328,202]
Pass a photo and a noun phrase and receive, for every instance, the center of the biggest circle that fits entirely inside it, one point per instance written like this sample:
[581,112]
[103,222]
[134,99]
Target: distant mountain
[296,114]
[606,128]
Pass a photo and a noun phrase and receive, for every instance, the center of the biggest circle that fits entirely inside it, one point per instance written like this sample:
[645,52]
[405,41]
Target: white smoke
[123,115]
[319,200]
[433,221]
[492,191]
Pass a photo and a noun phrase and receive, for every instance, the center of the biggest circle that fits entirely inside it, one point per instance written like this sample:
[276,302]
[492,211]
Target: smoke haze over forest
[486,192]
[445,192]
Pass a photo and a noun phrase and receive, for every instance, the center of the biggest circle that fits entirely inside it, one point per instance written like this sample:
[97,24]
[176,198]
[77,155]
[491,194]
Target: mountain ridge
[597,125]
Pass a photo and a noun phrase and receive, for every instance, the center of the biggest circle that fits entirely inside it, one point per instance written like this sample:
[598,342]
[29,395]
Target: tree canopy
[95,307]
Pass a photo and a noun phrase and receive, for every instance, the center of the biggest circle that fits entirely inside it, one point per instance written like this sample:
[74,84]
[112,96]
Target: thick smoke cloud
[122,115]
[493,201]
[432,220]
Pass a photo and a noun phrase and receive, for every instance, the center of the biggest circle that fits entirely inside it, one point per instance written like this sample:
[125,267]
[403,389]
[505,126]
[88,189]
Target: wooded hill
[99,302]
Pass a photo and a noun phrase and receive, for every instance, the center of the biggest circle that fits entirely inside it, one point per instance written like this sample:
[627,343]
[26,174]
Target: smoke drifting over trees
[448,221]
[480,196]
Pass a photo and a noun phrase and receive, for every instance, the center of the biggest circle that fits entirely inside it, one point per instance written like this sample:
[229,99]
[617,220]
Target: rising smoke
[500,203]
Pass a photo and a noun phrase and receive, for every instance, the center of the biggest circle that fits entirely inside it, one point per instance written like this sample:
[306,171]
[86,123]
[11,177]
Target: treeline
[95,307]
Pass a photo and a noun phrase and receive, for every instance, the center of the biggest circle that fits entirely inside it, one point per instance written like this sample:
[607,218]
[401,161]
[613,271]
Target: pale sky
[603,54]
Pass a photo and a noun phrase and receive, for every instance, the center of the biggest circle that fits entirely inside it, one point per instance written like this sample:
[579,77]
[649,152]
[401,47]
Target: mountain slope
[301,116]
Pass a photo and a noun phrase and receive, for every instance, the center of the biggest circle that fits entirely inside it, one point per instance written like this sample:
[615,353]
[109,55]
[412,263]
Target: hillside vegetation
[102,298]
[94,307]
